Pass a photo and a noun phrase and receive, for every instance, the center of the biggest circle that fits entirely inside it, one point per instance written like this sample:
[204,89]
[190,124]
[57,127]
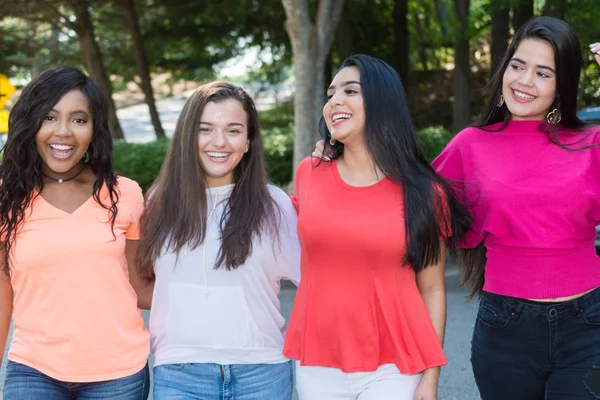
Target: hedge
[141,161]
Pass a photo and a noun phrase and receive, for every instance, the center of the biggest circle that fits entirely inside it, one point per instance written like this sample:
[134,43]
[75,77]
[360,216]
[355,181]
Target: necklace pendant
[60,181]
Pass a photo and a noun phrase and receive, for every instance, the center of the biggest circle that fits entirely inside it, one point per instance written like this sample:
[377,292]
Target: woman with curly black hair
[67,226]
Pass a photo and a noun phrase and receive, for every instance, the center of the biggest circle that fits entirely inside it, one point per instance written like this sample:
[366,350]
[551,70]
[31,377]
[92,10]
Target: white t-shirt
[205,315]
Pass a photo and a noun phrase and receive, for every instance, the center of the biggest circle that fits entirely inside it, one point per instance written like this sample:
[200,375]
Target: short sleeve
[287,251]
[136,204]
[300,180]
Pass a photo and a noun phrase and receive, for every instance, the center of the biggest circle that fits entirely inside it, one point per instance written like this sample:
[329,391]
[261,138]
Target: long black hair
[430,208]
[176,206]
[21,167]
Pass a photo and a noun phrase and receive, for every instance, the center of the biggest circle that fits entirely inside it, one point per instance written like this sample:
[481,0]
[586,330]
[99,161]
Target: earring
[86,157]
[332,141]
[501,101]
[554,116]
[247,148]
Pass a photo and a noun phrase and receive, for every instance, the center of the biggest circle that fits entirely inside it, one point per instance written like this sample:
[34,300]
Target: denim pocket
[493,316]
[591,315]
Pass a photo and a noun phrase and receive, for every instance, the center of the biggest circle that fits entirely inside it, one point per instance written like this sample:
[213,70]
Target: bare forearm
[5,316]
[435,301]
[144,294]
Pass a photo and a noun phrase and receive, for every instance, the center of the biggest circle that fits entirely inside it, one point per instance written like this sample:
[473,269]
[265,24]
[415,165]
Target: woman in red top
[369,316]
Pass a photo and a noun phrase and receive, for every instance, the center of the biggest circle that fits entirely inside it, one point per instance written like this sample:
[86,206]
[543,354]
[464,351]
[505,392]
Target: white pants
[387,383]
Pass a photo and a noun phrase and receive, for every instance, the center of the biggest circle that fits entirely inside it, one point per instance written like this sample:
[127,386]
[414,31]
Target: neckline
[225,189]
[60,210]
[519,127]
[338,178]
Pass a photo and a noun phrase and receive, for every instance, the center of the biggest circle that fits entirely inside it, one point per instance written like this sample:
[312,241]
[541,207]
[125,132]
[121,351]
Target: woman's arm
[6,306]
[143,287]
[431,282]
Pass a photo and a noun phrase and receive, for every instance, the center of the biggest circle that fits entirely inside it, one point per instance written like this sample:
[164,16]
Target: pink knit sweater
[535,206]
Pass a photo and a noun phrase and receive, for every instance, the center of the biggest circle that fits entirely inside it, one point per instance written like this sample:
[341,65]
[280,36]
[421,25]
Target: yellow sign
[6,90]
[3,121]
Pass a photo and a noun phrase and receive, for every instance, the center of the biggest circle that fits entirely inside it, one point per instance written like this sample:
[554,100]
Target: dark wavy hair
[568,61]
[392,144]
[21,167]
[176,206]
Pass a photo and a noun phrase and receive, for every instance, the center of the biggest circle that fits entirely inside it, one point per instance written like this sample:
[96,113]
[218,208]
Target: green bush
[139,161]
[279,154]
[433,140]
[281,116]
[142,161]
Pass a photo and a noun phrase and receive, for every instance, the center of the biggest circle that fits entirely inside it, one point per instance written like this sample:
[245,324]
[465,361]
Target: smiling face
[222,140]
[65,135]
[529,82]
[344,112]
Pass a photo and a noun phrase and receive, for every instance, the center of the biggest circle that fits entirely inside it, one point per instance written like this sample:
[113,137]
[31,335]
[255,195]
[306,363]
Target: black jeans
[525,350]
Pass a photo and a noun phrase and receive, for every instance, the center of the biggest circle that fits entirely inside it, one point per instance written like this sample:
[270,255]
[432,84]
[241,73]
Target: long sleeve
[450,165]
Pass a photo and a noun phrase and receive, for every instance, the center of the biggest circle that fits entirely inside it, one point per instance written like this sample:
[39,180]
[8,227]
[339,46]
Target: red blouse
[357,306]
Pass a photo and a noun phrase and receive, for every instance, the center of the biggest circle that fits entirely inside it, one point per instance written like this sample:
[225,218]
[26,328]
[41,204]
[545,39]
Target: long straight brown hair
[176,206]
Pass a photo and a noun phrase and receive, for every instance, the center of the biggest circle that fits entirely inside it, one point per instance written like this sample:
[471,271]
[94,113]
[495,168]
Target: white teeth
[215,154]
[61,146]
[337,117]
[523,95]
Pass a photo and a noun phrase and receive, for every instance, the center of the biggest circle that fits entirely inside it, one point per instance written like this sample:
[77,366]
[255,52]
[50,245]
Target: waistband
[554,274]
[516,305]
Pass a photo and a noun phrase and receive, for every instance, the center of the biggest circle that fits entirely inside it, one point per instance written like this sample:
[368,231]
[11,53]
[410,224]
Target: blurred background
[148,55]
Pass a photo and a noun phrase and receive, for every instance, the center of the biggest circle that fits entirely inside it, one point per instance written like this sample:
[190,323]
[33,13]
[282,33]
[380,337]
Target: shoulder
[128,189]
[470,135]
[594,134]
[279,196]
[128,185]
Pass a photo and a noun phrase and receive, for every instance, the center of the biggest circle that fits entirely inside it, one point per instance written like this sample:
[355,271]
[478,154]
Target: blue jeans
[526,350]
[223,382]
[26,383]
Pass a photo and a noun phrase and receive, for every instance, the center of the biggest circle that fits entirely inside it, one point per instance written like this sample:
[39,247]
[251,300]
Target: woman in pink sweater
[529,170]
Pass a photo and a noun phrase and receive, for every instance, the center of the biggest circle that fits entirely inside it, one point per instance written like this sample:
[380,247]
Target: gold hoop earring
[554,116]
[501,101]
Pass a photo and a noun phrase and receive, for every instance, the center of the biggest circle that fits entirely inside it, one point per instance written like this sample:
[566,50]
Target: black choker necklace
[60,180]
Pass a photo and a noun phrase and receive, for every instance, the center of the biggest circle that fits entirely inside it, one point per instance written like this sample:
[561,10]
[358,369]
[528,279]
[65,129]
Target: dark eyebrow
[231,124]
[539,66]
[345,84]
[73,112]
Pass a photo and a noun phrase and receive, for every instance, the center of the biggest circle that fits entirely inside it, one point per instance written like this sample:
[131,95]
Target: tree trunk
[500,25]
[421,40]
[311,43]
[441,12]
[400,49]
[522,13]
[461,109]
[94,63]
[344,37]
[142,64]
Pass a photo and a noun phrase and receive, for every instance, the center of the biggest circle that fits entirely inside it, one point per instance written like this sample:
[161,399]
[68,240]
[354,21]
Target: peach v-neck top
[75,314]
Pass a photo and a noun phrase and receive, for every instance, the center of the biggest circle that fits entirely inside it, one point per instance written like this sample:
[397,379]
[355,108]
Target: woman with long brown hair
[218,239]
